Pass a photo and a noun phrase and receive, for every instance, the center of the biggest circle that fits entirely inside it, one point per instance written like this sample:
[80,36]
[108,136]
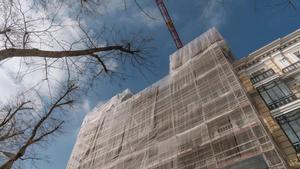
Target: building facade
[197,117]
[271,77]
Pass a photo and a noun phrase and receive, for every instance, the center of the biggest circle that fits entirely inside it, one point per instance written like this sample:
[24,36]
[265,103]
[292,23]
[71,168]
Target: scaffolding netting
[197,117]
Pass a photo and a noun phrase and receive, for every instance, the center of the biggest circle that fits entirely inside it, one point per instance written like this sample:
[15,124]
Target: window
[261,75]
[276,94]
[257,72]
[290,124]
[284,62]
[297,54]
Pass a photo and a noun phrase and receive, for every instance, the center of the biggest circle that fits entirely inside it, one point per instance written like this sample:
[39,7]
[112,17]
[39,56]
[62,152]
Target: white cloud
[131,13]
[16,74]
[86,105]
[10,70]
[213,14]
[16,77]
[7,85]
[111,64]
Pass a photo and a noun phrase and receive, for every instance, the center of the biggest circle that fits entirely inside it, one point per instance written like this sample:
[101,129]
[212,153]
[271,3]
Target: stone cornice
[267,50]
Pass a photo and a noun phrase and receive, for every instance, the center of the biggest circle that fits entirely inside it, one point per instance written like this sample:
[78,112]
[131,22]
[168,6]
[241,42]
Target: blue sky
[245,26]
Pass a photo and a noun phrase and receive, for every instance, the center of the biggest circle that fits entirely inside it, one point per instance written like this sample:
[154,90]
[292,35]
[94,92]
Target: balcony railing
[282,101]
[297,146]
[262,76]
[291,67]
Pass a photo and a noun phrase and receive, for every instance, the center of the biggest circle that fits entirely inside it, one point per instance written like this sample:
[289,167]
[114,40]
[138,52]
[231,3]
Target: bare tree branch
[40,130]
[291,3]
[5,31]
[10,114]
[100,61]
[13,52]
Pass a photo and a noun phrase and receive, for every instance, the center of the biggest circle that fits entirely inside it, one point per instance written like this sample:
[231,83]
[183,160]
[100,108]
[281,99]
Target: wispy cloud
[136,14]
[86,107]
[7,85]
[16,74]
[213,13]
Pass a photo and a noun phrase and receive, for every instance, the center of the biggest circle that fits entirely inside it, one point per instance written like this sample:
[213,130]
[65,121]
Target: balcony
[262,76]
[281,102]
[297,146]
[292,67]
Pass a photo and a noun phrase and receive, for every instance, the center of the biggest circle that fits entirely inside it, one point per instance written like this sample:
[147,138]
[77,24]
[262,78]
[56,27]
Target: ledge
[286,108]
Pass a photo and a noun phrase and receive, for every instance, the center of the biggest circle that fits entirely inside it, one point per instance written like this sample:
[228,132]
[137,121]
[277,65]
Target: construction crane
[169,23]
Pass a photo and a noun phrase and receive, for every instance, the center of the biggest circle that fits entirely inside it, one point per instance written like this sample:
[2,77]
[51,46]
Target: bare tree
[24,125]
[36,39]
[32,33]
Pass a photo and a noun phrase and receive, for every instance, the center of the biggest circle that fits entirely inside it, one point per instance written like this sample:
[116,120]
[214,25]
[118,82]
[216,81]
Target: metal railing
[297,146]
[262,76]
[282,101]
[291,67]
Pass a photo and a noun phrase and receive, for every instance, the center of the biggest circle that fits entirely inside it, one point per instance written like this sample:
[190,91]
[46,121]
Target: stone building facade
[271,77]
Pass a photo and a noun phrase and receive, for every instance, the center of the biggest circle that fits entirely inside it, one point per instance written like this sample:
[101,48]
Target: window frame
[284,62]
[261,75]
[297,54]
[278,90]
[290,125]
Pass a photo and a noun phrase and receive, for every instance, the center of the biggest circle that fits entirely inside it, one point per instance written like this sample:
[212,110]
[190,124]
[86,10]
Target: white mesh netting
[196,117]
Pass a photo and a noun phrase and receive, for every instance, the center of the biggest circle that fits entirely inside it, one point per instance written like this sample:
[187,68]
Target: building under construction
[271,78]
[197,117]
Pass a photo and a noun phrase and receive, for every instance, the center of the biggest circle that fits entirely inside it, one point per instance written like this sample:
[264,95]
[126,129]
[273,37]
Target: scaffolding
[197,117]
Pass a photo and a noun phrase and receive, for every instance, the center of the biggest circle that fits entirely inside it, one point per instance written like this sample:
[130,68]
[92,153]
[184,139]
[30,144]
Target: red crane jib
[169,23]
